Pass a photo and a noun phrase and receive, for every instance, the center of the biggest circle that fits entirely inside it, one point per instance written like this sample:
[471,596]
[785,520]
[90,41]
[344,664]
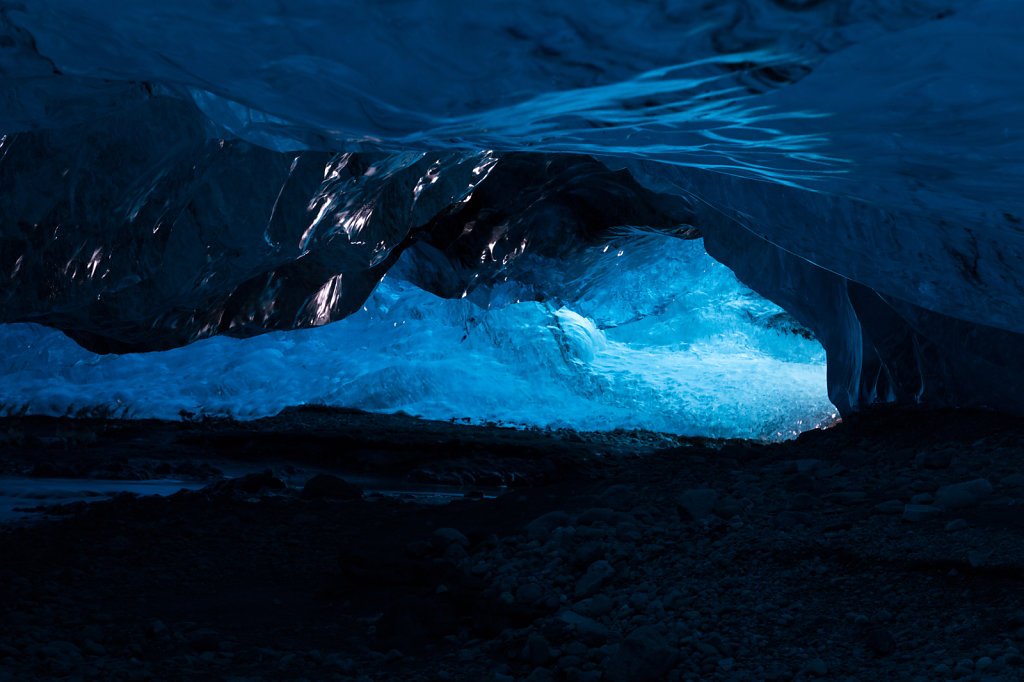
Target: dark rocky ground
[890,547]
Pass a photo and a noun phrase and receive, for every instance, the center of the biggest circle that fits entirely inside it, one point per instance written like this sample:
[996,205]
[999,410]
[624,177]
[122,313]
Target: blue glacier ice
[171,172]
[646,333]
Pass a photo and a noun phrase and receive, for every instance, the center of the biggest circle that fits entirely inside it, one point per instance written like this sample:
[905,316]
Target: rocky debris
[327,486]
[828,557]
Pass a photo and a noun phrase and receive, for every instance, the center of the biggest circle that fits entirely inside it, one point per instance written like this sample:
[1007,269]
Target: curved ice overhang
[876,150]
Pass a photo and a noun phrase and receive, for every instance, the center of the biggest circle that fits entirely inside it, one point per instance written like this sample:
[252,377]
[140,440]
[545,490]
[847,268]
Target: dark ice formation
[171,171]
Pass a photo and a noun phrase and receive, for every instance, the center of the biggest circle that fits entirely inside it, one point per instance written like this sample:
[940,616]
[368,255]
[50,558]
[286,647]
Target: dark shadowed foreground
[889,547]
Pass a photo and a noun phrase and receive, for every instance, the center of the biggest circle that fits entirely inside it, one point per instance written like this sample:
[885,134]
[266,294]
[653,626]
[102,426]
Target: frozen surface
[647,333]
[173,171]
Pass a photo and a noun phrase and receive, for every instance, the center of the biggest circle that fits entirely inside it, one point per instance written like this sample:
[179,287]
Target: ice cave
[774,247]
[175,173]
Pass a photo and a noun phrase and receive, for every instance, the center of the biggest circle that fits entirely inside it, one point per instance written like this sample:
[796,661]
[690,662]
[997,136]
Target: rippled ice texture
[646,332]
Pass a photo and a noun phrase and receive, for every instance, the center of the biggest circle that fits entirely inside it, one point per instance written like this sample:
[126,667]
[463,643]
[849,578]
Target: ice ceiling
[175,171]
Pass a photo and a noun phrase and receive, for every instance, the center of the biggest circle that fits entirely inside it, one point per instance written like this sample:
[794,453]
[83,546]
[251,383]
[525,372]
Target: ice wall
[642,333]
[174,171]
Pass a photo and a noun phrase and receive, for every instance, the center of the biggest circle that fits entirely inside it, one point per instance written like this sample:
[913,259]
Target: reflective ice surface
[858,162]
[645,332]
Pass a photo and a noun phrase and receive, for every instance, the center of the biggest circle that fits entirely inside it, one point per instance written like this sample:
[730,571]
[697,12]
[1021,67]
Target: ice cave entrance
[637,333]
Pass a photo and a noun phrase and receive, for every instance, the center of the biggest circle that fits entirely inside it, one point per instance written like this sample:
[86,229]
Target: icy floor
[647,334]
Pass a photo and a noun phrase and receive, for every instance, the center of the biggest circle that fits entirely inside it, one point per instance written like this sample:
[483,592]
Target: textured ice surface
[641,333]
[859,162]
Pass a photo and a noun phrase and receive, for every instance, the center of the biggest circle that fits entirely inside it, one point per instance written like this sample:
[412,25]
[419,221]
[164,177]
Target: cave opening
[634,332]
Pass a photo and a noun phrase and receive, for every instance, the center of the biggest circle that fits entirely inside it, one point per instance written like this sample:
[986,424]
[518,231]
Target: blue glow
[643,333]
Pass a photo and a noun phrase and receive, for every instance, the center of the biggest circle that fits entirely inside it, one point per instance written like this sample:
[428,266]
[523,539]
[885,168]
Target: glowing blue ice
[647,333]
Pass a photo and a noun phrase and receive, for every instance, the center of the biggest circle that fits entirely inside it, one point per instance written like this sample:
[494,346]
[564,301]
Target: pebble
[596,575]
[445,537]
[619,497]
[890,507]
[956,525]
[846,498]
[588,630]
[935,459]
[643,656]
[540,529]
[529,593]
[960,495]
[881,642]
[920,512]
[816,667]
[595,606]
[537,650]
[328,487]
[697,504]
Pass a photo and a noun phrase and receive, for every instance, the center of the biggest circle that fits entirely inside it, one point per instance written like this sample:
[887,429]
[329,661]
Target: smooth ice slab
[643,333]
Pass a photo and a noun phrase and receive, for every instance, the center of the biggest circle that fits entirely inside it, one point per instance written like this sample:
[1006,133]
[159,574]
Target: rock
[881,642]
[250,483]
[596,575]
[846,498]
[93,648]
[1013,481]
[445,537]
[529,593]
[800,483]
[803,502]
[618,497]
[204,640]
[816,667]
[588,553]
[643,656]
[537,651]
[808,466]
[596,606]
[540,528]
[966,494]
[956,525]
[934,459]
[916,513]
[588,630]
[728,507]
[697,504]
[541,675]
[588,676]
[605,515]
[326,486]
[890,507]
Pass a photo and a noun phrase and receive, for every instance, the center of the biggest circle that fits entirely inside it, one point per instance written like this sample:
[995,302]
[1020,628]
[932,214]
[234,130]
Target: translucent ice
[642,333]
